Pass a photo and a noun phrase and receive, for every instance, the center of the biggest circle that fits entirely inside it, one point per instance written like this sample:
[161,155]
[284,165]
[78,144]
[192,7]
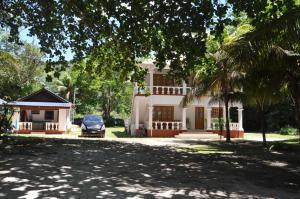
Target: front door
[199,117]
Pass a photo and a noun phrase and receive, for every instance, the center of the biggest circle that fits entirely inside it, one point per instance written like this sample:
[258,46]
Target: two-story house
[157,109]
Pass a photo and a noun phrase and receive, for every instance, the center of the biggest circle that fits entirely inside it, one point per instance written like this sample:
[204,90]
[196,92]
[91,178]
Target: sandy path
[106,169]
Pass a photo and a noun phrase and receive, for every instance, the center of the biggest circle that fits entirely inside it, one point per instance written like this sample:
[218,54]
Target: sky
[35,41]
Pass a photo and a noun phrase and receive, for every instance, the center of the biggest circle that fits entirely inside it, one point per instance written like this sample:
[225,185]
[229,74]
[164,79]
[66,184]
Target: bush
[112,122]
[288,131]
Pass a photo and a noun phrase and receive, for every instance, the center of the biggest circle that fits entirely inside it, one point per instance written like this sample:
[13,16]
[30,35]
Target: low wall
[163,133]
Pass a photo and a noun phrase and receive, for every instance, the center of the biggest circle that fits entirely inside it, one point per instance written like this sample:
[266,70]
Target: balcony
[162,90]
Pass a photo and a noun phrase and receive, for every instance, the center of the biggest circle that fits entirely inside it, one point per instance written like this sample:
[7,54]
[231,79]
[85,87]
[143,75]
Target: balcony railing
[52,126]
[25,126]
[164,125]
[232,126]
[162,90]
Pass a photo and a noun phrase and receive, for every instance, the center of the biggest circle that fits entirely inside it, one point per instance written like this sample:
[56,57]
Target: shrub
[288,131]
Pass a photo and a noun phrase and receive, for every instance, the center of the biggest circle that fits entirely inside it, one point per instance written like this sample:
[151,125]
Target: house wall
[41,116]
[62,120]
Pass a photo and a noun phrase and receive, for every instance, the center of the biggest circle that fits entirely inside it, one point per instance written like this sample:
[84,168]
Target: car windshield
[93,118]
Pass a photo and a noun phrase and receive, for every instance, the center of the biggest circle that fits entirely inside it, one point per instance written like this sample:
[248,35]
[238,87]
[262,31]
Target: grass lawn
[116,132]
[204,149]
[269,136]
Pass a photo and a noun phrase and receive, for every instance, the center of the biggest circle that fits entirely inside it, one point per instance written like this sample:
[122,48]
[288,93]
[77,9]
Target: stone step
[198,136]
[196,132]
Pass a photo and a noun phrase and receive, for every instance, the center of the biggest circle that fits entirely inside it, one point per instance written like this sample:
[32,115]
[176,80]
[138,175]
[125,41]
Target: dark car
[93,124]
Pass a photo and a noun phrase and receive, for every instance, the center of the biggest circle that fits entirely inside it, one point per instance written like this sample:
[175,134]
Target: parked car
[93,124]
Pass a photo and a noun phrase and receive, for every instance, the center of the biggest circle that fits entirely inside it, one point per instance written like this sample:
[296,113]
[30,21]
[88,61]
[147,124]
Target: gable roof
[43,95]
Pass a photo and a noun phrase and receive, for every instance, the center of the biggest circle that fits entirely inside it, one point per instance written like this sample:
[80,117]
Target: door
[199,117]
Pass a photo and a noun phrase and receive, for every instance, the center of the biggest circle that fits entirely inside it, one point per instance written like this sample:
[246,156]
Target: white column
[183,87]
[150,116]
[224,113]
[183,118]
[240,115]
[151,81]
[137,113]
[208,119]
[136,89]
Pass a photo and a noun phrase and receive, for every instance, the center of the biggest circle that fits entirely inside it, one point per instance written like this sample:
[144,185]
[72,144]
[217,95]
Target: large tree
[171,30]
[274,43]
[20,68]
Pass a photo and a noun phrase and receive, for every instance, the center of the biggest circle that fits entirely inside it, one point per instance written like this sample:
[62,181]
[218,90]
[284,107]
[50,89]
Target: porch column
[224,114]
[208,119]
[183,87]
[137,113]
[240,115]
[150,116]
[151,81]
[136,89]
[183,118]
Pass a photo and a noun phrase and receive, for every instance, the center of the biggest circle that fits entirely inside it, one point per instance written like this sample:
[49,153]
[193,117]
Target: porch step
[198,135]
[197,132]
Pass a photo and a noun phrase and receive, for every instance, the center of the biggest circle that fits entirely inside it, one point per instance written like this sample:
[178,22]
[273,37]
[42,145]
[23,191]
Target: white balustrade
[25,126]
[162,125]
[232,126]
[52,126]
[162,90]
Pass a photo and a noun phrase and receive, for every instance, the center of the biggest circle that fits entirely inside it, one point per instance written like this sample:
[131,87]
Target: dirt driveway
[56,168]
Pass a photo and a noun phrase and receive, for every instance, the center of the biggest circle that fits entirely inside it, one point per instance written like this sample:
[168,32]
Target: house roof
[42,98]
[2,101]
[43,95]
[41,104]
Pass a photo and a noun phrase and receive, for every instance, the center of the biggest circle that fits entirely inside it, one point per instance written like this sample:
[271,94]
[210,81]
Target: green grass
[204,149]
[277,136]
[116,132]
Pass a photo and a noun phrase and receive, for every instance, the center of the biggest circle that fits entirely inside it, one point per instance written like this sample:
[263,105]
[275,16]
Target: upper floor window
[162,80]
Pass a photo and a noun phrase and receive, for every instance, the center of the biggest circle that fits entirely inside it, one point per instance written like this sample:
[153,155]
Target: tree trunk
[263,126]
[297,113]
[227,121]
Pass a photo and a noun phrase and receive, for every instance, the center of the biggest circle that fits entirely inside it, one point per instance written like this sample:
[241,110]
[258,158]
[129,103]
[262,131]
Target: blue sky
[35,41]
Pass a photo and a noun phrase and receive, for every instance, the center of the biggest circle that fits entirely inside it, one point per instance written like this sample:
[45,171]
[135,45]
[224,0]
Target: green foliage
[288,131]
[6,113]
[21,68]
[171,30]
[103,92]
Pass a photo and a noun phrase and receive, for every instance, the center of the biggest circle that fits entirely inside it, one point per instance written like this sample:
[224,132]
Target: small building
[41,112]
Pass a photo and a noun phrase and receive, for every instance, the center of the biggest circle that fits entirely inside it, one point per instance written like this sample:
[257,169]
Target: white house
[156,109]
[41,112]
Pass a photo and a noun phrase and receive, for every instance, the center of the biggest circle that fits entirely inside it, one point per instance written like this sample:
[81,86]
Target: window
[162,80]
[49,115]
[216,112]
[163,113]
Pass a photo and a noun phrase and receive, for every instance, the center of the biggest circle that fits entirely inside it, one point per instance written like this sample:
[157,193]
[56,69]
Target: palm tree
[225,80]
[65,85]
[274,44]
[260,89]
